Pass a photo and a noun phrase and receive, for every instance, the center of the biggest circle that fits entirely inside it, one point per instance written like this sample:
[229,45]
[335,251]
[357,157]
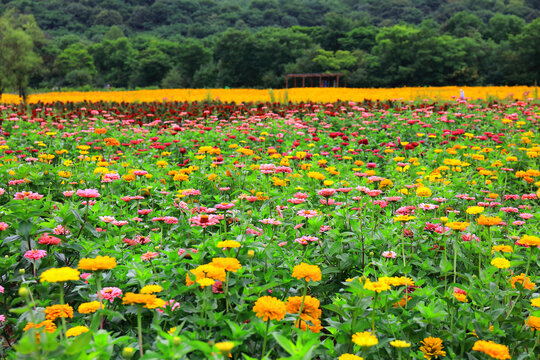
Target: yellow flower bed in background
[282,95]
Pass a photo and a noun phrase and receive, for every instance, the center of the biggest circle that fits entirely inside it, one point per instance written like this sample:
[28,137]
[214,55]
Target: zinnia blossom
[54,312]
[500,263]
[76,331]
[60,275]
[97,264]
[307,272]
[88,193]
[432,348]
[35,254]
[88,307]
[496,351]
[365,339]
[270,308]
[229,264]
[348,356]
[150,289]
[533,322]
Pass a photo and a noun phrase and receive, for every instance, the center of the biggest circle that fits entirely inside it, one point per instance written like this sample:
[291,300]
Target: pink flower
[224,206]
[459,291]
[509,209]
[283,169]
[149,255]
[389,254]
[91,202]
[271,221]
[374,193]
[172,304]
[304,240]
[470,237]
[300,195]
[1,289]
[68,193]
[119,223]
[224,188]
[110,293]
[282,244]
[46,239]
[267,168]
[324,228]
[3,226]
[107,219]
[35,254]
[88,193]
[85,276]
[344,190]
[144,211]
[2,191]
[307,213]
[140,172]
[518,223]
[60,230]
[526,216]
[27,195]
[257,232]
[296,227]
[217,288]
[2,319]
[205,220]
[326,192]
[296,201]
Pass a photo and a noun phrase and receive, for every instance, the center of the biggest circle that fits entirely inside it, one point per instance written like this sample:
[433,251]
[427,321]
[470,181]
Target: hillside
[243,43]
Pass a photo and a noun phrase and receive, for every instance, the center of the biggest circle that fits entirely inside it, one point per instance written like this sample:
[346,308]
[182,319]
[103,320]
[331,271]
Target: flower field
[213,230]
[284,95]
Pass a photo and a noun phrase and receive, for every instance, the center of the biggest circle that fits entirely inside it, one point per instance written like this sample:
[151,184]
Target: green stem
[139,329]
[302,304]
[373,313]
[62,303]
[265,338]
[495,293]
[227,292]
[455,259]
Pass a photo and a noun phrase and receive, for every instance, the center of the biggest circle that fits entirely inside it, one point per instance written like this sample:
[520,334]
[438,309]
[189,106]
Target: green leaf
[285,343]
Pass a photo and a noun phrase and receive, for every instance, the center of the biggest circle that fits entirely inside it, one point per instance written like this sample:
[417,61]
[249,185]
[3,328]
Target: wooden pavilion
[314,80]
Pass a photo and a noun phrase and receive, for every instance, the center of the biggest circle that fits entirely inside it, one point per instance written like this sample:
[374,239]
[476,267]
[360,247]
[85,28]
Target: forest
[87,44]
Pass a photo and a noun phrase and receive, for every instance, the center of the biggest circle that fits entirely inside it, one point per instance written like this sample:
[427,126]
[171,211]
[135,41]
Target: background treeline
[254,43]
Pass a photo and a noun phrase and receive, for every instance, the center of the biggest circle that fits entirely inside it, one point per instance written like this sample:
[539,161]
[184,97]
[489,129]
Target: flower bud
[22,271]
[23,291]
[128,352]
[177,340]
[251,254]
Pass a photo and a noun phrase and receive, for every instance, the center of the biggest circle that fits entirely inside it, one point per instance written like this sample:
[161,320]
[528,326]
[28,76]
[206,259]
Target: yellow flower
[269,308]
[365,339]
[150,289]
[423,191]
[457,226]
[473,210]
[88,307]
[496,351]
[310,308]
[204,282]
[76,331]
[376,286]
[432,347]
[228,244]
[461,297]
[500,263]
[526,283]
[54,312]
[224,347]
[488,221]
[533,322]
[229,264]
[307,272]
[535,302]
[400,344]
[60,275]
[350,357]
[404,218]
[530,240]
[502,248]
[48,325]
[97,264]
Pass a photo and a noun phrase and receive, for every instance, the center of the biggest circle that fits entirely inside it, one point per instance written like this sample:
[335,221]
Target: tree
[75,58]
[502,26]
[115,60]
[18,59]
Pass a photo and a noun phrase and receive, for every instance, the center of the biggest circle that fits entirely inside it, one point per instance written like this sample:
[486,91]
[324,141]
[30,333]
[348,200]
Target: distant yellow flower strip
[294,94]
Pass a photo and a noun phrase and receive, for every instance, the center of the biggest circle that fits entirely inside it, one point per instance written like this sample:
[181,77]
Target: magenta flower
[88,193]
[110,293]
[27,195]
[3,226]
[35,254]
[389,254]
[307,213]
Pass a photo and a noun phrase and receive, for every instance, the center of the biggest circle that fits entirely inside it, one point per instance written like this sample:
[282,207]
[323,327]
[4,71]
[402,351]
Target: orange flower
[307,272]
[496,351]
[270,308]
